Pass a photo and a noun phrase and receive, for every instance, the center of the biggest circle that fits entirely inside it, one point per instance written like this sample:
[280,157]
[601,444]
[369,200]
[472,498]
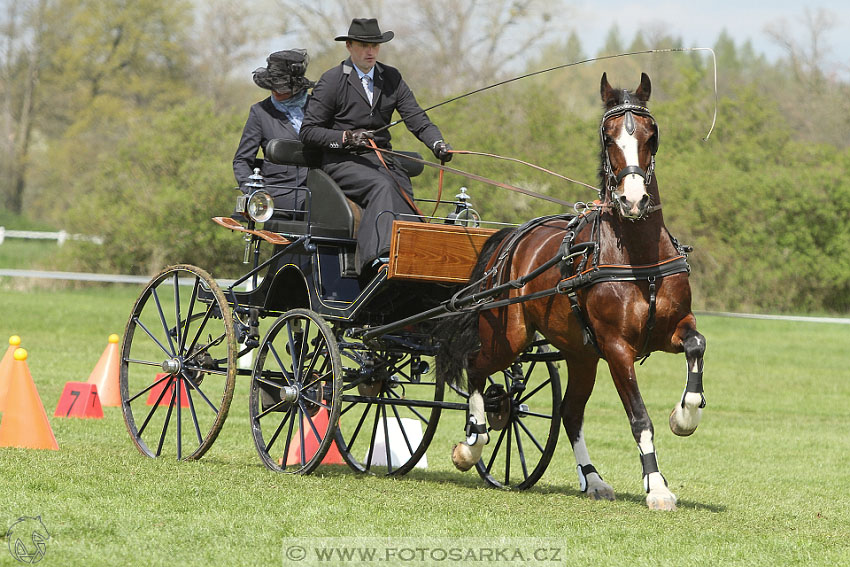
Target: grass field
[764,481]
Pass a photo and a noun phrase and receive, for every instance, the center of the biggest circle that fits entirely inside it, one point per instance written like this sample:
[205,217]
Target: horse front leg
[621,364]
[468,452]
[581,379]
[686,415]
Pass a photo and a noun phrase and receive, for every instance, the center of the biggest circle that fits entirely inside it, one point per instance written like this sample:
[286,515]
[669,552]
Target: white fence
[60,237]
[115,278]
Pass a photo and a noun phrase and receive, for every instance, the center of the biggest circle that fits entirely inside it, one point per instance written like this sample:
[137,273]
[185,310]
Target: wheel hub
[172,365]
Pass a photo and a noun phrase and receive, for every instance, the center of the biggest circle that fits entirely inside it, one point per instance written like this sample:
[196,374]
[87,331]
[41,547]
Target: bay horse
[632,307]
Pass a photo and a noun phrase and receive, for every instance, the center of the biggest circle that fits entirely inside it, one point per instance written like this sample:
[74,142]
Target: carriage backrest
[332,214]
[293,152]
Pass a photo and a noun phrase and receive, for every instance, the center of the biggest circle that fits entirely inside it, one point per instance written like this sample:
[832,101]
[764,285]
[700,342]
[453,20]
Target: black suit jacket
[339,102]
[265,123]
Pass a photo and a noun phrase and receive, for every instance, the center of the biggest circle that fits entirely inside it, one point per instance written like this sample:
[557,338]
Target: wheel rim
[294,399]
[177,367]
[522,444]
[384,427]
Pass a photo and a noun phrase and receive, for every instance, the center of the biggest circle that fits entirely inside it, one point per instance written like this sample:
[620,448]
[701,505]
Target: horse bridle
[629,109]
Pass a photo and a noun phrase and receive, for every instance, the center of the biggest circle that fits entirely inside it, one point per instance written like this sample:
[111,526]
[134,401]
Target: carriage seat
[332,214]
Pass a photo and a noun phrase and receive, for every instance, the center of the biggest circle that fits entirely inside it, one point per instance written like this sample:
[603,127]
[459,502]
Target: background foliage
[121,118]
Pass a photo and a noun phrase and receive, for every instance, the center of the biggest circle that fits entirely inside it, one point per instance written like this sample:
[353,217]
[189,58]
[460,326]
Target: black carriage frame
[323,315]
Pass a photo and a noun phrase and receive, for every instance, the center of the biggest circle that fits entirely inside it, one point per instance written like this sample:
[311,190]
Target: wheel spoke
[177,323]
[412,409]
[165,423]
[197,387]
[190,313]
[156,340]
[290,379]
[162,321]
[155,405]
[178,386]
[530,435]
[153,385]
[350,442]
[520,451]
[291,415]
[508,458]
[534,391]
[200,330]
[194,414]
[403,432]
[372,439]
[387,439]
[277,431]
[496,450]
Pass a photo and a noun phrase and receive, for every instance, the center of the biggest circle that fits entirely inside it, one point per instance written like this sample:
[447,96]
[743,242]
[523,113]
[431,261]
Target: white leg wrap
[658,496]
[589,480]
[468,452]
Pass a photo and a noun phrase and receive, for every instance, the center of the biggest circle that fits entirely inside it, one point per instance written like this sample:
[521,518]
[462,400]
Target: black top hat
[365,30]
[285,72]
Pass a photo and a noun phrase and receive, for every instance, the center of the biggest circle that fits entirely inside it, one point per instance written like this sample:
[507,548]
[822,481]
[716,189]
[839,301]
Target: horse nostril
[644,202]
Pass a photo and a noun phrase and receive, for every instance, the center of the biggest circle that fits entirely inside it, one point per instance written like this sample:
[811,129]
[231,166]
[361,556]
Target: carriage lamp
[464,214]
[260,206]
[257,205]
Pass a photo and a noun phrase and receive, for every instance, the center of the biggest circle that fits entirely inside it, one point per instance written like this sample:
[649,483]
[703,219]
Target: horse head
[629,136]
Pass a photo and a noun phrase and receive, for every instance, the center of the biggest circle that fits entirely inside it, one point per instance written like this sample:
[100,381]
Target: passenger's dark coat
[265,123]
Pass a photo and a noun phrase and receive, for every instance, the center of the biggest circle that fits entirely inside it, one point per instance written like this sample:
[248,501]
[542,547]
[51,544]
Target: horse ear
[605,88]
[645,88]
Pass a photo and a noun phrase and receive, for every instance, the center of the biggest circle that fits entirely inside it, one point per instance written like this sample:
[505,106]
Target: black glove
[357,138]
[442,151]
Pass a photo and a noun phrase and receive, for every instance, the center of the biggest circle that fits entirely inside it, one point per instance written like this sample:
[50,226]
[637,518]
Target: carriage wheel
[522,421]
[178,364]
[294,399]
[389,413]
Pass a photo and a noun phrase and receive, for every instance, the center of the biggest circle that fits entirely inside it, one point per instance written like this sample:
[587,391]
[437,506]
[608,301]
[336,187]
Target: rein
[577,206]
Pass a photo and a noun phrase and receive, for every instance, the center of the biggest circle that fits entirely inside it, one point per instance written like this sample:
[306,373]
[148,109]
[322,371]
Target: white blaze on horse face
[633,185]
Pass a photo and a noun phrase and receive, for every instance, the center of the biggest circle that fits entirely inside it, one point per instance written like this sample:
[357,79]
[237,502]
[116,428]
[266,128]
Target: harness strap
[587,330]
[650,321]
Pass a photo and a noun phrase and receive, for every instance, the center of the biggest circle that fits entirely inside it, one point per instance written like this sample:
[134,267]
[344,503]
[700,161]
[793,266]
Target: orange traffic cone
[311,444]
[25,422]
[105,374]
[6,368]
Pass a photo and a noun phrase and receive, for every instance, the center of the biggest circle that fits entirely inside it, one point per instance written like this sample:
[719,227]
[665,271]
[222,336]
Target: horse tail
[457,335]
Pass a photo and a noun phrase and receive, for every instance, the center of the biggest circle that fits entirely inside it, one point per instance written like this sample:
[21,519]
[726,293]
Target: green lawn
[764,481]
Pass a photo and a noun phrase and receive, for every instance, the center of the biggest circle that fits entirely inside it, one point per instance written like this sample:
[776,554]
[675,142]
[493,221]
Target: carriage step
[267,235]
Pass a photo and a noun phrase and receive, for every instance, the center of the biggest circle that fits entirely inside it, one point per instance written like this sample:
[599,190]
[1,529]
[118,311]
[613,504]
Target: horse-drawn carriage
[343,364]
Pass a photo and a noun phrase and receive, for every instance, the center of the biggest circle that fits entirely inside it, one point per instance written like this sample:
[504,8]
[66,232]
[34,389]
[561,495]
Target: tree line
[120,119]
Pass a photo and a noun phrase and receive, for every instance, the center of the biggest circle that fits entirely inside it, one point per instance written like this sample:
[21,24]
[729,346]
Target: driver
[349,102]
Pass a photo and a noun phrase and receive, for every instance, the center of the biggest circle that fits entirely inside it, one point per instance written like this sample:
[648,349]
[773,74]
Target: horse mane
[457,335]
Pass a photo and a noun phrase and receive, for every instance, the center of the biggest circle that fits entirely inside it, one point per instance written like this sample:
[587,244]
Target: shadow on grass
[471,480]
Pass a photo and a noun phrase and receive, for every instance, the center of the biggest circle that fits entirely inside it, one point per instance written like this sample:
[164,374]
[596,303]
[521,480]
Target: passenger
[278,116]
[348,103]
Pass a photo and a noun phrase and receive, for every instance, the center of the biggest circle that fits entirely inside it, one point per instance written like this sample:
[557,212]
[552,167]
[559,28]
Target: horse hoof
[661,500]
[462,457]
[599,490]
[684,422]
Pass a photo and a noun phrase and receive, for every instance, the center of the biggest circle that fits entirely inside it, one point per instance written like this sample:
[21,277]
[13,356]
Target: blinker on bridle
[627,109]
